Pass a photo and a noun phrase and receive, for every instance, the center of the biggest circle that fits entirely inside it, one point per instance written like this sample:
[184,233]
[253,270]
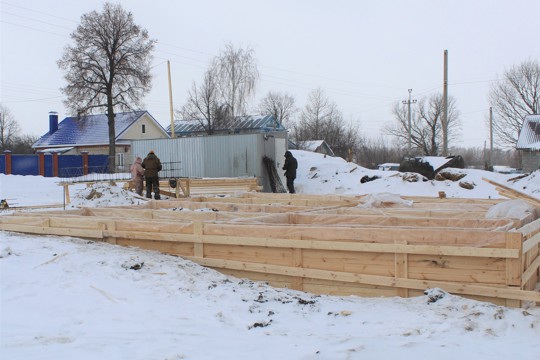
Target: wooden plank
[401,268]
[167,247]
[83,233]
[531,243]
[150,235]
[23,220]
[457,269]
[279,256]
[198,247]
[297,261]
[515,192]
[514,267]
[456,288]
[416,236]
[379,220]
[530,229]
[531,271]
[362,246]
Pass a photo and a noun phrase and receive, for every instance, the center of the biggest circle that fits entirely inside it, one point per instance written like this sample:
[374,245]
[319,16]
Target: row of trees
[107,68]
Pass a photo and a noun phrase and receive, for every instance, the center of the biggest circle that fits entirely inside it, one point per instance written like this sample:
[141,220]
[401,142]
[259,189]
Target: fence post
[55,164]
[8,161]
[85,162]
[41,161]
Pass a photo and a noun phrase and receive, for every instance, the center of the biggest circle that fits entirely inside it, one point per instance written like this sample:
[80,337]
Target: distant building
[388,167]
[241,125]
[90,133]
[529,143]
[502,169]
[318,146]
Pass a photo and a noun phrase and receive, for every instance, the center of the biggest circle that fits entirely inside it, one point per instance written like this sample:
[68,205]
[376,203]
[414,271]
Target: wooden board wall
[325,244]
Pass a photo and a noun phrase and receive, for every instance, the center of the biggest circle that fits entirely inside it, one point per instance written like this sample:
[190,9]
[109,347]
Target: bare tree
[236,75]
[202,103]
[22,144]
[375,151]
[516,96]
[322,120]
[426,126]
[318,117]
[224,92]
[108,67]
[280,105]
[9,129]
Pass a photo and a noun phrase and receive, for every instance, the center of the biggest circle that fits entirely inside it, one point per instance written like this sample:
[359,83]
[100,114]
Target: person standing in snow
[290,167]
[152,166]
[137,172]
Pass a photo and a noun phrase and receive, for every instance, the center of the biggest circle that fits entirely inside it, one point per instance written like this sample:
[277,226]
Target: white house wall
[151,130]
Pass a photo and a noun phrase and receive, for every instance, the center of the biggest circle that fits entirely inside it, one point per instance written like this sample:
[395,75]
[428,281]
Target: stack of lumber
[186,187]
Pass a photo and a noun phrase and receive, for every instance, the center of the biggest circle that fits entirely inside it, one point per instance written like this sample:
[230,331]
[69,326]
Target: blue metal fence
[24,164]
[68,165]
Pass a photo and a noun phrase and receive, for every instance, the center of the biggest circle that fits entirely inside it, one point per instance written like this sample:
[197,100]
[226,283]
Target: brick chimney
[53,122]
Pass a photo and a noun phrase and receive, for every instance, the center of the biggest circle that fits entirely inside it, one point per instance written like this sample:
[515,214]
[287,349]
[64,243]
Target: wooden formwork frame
[186,187]
[326,244]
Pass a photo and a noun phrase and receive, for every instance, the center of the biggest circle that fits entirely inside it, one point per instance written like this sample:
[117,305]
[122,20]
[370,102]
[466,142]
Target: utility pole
[445,106]
[409,102]
[490,138]
[170,99]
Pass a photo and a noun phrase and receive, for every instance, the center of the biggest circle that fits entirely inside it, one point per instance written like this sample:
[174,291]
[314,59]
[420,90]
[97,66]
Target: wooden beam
[401,267]
[514,267]
[531,243]
[516,193]
[455,288]
[530,271]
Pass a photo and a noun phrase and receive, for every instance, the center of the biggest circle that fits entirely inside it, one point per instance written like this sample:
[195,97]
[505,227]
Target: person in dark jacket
[290,167]
[152,166]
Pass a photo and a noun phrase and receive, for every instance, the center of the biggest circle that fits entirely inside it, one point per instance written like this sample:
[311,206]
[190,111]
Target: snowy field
[68,298]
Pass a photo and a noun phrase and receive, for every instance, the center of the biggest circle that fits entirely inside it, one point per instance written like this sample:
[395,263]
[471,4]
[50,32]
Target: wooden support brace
[401,268]
[514,267]
[297,282]
[198,246]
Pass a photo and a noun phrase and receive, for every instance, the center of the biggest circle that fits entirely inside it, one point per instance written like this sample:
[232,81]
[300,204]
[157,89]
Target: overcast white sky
[364,55]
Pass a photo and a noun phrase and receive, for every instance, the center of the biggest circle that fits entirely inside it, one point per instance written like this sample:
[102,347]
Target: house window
[120,161]
[143,128]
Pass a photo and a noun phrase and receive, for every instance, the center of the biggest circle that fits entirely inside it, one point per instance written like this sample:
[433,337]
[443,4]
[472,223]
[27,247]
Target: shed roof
[529,136]
[250,122]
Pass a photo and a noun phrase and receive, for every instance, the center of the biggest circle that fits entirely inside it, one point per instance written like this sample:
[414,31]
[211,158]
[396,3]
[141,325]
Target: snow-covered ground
[68,298]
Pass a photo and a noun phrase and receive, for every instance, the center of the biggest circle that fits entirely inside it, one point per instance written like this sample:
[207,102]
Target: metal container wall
[213,156]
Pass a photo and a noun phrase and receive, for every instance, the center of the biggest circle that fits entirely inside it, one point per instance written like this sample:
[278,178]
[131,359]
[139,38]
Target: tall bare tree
[224,93]
[321,119]
[318,117]
[9,129]
[516,96]
[236,75]
[108,67]
[280,105]
[426,126]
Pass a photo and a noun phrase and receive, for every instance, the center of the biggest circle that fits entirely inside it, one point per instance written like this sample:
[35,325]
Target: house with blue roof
[90,133]
[529,143]
[241,125]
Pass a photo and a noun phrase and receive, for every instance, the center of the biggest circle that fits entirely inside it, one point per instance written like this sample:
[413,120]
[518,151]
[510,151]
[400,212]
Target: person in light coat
[137,173]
